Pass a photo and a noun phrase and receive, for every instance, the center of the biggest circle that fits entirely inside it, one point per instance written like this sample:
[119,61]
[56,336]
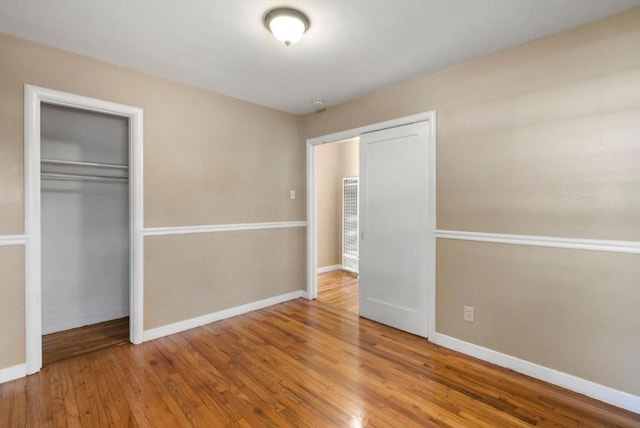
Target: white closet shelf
[82,163]
[75,177]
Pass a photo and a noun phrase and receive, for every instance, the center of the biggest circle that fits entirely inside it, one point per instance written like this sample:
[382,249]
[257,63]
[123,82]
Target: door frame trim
[312,205]
[34,96]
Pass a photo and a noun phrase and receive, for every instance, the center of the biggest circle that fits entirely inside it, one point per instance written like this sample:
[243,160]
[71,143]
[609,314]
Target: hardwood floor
[339,288]
[78,341]
[299,364]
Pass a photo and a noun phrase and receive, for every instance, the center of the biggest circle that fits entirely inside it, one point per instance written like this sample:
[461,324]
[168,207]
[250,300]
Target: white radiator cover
[350,227]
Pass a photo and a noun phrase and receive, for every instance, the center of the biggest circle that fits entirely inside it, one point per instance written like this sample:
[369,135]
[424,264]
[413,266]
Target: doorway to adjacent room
[395,227]
[337,181]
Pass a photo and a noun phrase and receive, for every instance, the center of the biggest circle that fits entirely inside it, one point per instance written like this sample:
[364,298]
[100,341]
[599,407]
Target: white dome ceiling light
[287,25]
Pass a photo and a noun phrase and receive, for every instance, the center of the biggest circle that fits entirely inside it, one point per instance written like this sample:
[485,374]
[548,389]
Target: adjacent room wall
[349,158]
[328,190]
[542,139]
[208,159]
[334,161]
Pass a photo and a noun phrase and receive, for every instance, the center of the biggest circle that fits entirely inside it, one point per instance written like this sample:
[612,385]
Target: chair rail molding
[632,247]
[211,228]
[10,240]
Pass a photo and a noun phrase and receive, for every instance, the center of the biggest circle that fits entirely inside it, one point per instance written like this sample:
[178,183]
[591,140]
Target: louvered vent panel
[350,231]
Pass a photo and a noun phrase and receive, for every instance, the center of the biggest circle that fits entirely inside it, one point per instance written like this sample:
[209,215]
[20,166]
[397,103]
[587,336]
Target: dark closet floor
[71,343]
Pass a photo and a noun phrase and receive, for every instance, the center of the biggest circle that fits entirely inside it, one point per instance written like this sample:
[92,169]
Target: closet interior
[85,235]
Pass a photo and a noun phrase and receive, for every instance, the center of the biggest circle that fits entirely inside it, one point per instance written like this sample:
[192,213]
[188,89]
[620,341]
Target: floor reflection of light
[356,421]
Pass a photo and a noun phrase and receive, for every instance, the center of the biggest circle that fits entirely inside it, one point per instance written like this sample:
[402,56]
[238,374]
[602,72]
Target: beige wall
[12,325]
[541,139]
[571,310]
[334,161]
[222,270]
[208,159]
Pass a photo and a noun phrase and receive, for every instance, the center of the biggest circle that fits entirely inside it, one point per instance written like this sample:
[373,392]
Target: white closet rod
[80,163]
[68,177]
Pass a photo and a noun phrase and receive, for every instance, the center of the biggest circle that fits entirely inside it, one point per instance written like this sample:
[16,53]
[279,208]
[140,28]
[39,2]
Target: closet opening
[83,225]
[84,183]
[337,184]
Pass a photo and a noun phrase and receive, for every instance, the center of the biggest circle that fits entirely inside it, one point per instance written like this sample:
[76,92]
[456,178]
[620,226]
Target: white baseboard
[331,268]
[594,390]
[14,372]
[54,327]
[179,326]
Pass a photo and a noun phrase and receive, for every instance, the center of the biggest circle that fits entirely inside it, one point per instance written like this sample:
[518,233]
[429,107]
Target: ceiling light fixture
[287,25]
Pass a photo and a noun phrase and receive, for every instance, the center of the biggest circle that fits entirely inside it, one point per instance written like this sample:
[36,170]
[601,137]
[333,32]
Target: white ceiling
[353,46]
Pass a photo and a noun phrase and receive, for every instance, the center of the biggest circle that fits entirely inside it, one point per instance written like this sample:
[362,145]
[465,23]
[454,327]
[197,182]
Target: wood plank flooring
[297,364]
[78,341]
[339,288]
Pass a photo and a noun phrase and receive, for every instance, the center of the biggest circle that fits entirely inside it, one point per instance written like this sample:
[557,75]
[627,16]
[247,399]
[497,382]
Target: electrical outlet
[469,314]
[292,194]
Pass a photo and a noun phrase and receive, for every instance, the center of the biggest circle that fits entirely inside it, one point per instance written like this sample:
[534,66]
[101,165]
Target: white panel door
[394,221]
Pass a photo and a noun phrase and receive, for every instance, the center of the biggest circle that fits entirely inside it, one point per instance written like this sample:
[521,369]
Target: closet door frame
[34,96]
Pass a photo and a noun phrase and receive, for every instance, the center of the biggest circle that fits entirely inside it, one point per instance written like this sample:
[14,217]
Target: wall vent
[350,229]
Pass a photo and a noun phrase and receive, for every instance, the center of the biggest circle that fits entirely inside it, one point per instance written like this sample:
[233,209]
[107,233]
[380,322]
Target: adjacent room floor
[339,288]
[300,363]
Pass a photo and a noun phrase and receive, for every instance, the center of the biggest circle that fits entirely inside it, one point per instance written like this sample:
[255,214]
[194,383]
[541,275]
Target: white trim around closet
[34,96]
[211,228]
